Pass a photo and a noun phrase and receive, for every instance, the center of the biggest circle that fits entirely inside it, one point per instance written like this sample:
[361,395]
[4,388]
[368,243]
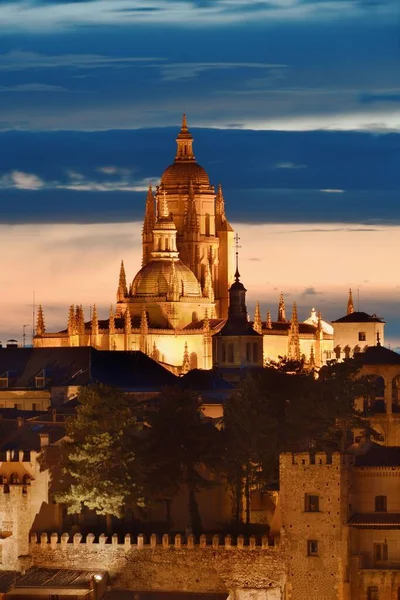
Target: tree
[287,408]
[181,445]
[99,464]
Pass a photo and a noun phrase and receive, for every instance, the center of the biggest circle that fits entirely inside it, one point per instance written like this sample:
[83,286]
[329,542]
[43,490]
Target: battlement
[54,541]
[18,456]
[307,459]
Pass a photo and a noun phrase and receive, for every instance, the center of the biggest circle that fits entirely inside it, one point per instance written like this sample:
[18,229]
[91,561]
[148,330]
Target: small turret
[149,215]
[144,324]
[111,321]
[294,340]
[186,360]
[122,291]
[208,291]
[40,325]
[268,322]
[312,358]
[80,320]
[281,309]
[95,321]
[71,320]
[127,321]
[350,304]
[191,220]
[257,325]
[220,216]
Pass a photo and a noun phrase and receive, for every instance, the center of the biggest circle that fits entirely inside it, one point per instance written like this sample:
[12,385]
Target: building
[356,331]
[179,299]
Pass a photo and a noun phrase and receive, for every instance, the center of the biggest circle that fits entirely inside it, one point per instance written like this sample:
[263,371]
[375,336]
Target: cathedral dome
[183,173]
[153,279]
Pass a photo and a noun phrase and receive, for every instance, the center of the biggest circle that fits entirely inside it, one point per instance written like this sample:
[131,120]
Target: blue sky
[294,104]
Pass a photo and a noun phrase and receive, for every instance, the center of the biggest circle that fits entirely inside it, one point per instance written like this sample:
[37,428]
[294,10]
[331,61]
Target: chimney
[44,439]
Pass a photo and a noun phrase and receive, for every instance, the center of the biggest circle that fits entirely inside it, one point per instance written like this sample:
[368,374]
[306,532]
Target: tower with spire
[237,346]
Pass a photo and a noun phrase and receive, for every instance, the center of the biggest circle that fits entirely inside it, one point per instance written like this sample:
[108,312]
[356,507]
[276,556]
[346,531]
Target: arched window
[372,593]
[255,352]
[380,503]
[248,352]
[230,353]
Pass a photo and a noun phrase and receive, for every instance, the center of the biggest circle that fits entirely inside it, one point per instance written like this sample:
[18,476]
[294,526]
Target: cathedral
[180,297]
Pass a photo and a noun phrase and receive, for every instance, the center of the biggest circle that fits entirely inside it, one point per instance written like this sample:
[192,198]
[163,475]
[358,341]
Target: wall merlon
[54,541]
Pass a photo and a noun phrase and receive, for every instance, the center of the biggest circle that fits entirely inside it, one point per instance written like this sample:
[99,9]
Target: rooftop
[359,317]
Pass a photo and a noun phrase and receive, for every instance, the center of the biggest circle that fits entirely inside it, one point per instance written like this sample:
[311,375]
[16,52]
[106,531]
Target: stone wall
[171,565]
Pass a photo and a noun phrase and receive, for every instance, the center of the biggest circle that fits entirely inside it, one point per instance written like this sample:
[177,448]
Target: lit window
[312,548]
[362,336]
[311,503]
[380,503]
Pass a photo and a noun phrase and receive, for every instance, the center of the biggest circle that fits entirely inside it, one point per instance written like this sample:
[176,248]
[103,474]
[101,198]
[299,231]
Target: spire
[173,285]
[220,207]
[184,151]
[111,321]
[208,291]
[312,357]
[95,321]
[186,360]
[319,323]
[237,274]
[144,324]
[163,213]
[191,222]
[80,319]
[281,309]
[155,355]
[127,321]
[206,323]
[40,326]
[268,322]
[350,304]
[122,291]
[257,325]
[71,320]
[149,215]
[294,339]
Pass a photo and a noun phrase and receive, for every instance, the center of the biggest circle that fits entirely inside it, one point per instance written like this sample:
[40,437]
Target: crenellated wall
[204,566]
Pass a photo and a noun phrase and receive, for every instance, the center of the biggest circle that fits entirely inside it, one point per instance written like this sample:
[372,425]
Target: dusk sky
[294,106]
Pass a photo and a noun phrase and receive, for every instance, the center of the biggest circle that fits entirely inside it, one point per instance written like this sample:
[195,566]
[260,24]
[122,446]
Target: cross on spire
[237,238]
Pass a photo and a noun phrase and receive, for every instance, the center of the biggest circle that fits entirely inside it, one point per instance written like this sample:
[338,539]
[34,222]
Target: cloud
[77,182]
[23,60]
[35,15]
[288,165]
[190,70]
[311,291]
[32,87]
[332,191]
[21,181]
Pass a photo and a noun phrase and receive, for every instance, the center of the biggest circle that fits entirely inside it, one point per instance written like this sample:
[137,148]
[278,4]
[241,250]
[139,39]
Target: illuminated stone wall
[168,564]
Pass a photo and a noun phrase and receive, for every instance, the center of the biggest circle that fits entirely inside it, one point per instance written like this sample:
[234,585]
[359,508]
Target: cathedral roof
[183,173]
[153,279]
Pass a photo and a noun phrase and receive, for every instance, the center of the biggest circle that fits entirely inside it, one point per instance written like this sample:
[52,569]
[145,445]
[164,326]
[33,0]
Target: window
[40,380]
[311,503]
[380,503]
[312,548]
[380,552]
[362,336]
[372,593]
[4,380]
